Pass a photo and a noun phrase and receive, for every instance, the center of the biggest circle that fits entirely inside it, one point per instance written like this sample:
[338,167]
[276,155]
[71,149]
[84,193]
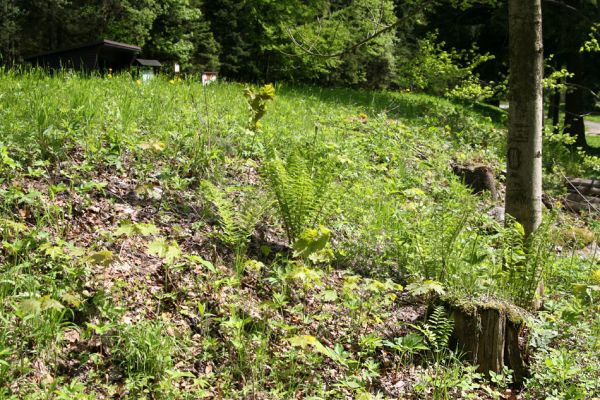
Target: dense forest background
[443,47]
[425,44]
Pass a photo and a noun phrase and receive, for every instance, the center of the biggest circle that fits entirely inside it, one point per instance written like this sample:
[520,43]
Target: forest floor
[153,245]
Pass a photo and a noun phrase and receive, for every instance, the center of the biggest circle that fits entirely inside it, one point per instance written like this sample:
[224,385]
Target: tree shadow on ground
[396,104]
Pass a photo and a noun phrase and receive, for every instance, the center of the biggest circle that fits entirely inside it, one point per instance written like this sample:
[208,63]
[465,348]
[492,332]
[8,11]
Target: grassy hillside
[157,243]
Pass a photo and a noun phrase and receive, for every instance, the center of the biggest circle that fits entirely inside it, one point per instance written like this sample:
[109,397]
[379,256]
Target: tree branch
[363,41]
[575,85]
[347,49]
[575,10]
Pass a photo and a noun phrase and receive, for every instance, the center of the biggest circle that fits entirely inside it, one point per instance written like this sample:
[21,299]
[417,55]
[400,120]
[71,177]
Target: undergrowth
[157,241]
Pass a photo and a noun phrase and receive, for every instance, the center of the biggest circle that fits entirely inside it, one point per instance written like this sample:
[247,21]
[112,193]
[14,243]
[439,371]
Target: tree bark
[490,352]
[524,161]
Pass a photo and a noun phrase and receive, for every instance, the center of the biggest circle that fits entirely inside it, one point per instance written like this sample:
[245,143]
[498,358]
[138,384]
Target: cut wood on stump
[489,336]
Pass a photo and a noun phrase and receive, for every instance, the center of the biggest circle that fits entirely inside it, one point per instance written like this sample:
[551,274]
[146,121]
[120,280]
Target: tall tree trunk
[524,169]
[574,107]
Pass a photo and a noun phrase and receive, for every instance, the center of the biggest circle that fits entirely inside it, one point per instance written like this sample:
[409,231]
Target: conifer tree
[232,29]
[180,34]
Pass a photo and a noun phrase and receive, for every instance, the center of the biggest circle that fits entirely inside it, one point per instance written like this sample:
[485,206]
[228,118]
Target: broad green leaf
[310,241]
[329,295]
[254,265]
[71,299]
[153,145]
[210,266]
[303,341]
[197,259]
[158,247]
[169,251]
[519,228]
[54,252]
[172,252]
[47,303]
[147,229]
[426,287]
[338,354]
[323,256]
[29,307]
[126,228]
[176,374]
[102,257]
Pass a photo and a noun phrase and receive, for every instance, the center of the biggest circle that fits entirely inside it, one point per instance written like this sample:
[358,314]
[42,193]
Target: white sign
[176,68]
[208,77]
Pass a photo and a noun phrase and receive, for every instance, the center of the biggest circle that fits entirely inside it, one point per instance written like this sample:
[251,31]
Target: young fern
[237,223]
[302,193]
[437,330]
[441,326]
[525,261]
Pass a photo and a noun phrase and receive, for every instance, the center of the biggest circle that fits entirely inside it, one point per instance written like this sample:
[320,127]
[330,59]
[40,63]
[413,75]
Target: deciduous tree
[524,158]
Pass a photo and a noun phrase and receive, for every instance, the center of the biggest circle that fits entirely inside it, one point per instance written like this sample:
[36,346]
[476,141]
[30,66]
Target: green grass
[593,117]
[593,141]
[153,245]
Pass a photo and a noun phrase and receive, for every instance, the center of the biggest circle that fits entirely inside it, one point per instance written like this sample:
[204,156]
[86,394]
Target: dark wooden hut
[101,55]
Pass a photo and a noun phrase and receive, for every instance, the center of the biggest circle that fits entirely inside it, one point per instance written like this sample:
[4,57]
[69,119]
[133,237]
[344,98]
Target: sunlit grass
[593,141]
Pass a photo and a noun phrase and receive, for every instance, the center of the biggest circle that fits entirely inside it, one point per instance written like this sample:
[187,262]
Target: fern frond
[441,326]
[302,192]
[237,222]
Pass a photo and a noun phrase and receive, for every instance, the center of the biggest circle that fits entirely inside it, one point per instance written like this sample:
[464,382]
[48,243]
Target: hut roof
[98,43]
[99,55]
[148,63]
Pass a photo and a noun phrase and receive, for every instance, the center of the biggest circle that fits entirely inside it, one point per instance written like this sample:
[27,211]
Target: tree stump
[477,177]
[489,336]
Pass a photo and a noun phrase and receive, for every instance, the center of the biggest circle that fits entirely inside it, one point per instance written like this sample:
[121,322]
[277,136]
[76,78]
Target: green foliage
[439,71]
[143,349]
[333,28]
[556,79]
[257,104]
[451,380]
[426,287]
[437,330]
[179,33]
[234,30]
[302,192]
[592,44]
[525,260]
[160,247]
[171,30]
[336,354]
[563,370]
[407,345]
[237,222]
[128,228]
[311,241]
